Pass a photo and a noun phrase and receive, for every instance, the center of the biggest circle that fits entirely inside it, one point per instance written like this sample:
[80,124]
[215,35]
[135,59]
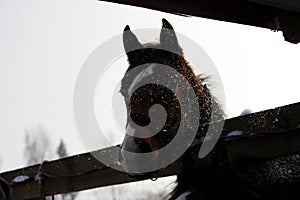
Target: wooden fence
[274,132]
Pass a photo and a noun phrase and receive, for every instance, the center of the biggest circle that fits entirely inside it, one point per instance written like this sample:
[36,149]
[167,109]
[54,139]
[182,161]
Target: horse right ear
[168,38]
[130,42]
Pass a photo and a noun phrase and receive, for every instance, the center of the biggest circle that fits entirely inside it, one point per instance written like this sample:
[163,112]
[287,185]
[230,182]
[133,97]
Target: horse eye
[140,119]
[138,141]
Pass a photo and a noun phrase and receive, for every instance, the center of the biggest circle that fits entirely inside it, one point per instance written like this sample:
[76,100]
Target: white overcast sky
[43,45]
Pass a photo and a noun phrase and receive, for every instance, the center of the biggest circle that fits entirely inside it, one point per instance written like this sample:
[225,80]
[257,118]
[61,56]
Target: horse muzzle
[131,151]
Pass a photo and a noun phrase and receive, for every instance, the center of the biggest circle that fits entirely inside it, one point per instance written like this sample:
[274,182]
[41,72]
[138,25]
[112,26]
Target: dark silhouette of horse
[220,181]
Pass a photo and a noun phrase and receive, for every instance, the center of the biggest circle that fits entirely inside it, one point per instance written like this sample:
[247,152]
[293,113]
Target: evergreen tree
[61,149]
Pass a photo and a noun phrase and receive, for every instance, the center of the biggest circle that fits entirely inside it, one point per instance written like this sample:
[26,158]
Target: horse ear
[168,38]
[130,42]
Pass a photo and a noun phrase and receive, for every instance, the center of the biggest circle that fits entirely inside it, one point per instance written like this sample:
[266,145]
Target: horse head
[154,111]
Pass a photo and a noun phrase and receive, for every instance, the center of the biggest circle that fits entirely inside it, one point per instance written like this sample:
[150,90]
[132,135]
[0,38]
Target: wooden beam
[273,120]
[236,11]
[263,146]
[73,165]
[279,120]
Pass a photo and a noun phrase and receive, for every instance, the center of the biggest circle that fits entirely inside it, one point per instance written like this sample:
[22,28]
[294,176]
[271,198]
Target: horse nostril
[142,145]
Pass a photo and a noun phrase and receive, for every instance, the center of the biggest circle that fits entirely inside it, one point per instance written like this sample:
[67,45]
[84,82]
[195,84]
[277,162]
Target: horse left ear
[130,42]
[168,38]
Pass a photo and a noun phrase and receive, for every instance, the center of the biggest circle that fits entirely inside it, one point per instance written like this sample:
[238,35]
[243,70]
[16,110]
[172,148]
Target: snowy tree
[61,149]
[36,145]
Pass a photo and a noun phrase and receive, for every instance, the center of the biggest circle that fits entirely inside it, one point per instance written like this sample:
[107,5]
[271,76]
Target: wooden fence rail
[81,172]
[277,15]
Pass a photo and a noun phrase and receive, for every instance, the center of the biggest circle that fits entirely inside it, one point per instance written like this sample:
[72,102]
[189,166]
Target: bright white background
[44,43]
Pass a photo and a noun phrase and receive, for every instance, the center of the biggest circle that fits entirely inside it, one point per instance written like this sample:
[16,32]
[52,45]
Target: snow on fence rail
[277,127]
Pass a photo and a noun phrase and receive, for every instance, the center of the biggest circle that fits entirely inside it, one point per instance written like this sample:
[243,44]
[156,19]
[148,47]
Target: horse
[220,181]
[166,52]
